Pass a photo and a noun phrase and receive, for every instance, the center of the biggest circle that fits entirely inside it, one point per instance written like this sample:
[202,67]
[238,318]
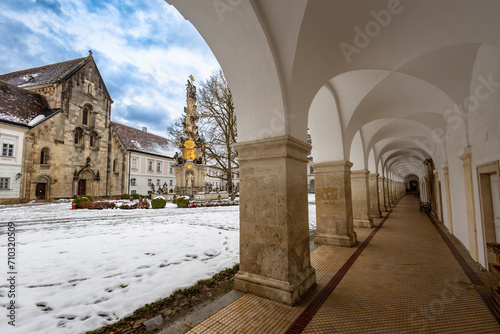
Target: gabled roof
[22,107]
[44,74]
[144,142]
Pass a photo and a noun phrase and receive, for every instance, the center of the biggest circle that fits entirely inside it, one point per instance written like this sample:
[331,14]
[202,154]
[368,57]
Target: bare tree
[217,126]
[216,110]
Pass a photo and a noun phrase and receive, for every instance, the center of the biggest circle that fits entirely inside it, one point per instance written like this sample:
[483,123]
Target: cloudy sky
[145,50]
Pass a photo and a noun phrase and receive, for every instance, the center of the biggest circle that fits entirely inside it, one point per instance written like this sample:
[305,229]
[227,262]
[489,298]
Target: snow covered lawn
[81,269]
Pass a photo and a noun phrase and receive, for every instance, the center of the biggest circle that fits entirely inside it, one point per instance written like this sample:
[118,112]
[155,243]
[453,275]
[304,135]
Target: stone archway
[85,183]
[41,188]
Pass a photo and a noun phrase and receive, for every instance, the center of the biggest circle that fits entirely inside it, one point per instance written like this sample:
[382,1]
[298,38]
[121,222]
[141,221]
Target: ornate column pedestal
[374,200]
[274,227]
[361,198]
[334,220]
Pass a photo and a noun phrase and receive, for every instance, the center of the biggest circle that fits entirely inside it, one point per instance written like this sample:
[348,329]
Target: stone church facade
[70,153]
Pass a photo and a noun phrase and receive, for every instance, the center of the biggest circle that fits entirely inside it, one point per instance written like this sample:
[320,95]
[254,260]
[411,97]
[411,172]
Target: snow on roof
[141,141]
[42,75]
[21,106]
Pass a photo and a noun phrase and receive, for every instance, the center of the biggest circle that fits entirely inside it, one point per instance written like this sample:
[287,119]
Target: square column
[361,198]
[388,201]
[274,226]
[374,200]
[448,198]
[334,222]
[471,209]
[381,194]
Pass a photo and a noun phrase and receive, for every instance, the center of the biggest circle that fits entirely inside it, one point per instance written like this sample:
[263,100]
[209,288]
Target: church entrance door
[40,190]
[81,187]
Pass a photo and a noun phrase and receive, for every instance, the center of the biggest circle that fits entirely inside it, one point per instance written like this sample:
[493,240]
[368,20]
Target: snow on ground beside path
[79,270]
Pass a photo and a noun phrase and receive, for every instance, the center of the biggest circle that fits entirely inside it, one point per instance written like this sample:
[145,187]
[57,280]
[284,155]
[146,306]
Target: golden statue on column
[190,164]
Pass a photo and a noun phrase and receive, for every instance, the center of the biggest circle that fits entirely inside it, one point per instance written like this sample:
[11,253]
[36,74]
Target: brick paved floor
[406,280]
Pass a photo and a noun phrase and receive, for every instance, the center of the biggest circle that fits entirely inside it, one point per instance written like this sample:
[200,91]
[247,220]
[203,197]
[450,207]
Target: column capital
[466,159]
[276,147]
[360,173]
[332,166]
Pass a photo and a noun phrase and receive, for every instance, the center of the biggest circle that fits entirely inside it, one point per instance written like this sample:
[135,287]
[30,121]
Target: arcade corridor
[404,278]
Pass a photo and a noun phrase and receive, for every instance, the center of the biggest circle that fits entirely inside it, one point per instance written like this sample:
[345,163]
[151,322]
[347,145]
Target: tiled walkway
[401,278]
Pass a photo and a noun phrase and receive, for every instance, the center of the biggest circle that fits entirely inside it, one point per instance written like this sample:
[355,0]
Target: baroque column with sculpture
[190,167]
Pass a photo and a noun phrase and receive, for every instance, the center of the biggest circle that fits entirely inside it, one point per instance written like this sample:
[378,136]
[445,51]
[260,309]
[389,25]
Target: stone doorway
[82,185]
[41,191]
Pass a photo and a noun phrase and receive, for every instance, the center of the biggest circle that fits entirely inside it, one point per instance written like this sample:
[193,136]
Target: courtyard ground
[79,270]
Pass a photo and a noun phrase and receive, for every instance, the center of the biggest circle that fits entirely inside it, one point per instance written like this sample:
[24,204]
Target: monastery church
[58,140]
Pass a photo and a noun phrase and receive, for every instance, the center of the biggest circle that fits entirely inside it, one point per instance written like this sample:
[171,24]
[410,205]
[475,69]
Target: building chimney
[145,129]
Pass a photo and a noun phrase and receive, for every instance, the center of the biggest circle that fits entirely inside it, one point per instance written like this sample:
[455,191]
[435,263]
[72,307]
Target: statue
[189,180]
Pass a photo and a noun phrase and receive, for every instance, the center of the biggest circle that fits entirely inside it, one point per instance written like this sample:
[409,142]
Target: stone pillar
[374,200]
[437,206]
[471,210]
[448,198]
[387,193]
[334,219]
[361,198]
[274,227]
[381,196]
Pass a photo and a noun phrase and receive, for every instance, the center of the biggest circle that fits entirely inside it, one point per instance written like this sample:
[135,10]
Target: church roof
[44,74]
[22,107]
[144,142]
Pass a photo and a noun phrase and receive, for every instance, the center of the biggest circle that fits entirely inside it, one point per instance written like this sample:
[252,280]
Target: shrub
[90,197]
[137,205]
[158,203]
[137,196]
[97,205]
[80,200]
[125,196]
[182,202]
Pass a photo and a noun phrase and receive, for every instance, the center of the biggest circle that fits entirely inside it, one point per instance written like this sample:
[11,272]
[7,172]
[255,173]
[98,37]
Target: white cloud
[152,46]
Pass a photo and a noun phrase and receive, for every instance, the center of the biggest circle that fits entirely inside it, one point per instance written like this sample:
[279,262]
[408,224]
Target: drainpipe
[128,167]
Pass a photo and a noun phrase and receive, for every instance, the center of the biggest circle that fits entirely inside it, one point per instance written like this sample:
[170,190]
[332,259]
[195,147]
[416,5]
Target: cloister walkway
[407,275]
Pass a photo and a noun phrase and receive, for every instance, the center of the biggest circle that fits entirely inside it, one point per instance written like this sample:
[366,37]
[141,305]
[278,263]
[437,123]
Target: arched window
[85,117]
[44,156]
[90,89]
[94,140]
[78,137]
[114,166]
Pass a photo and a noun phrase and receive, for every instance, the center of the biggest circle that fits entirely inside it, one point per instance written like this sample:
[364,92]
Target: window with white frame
[158,182]
[8,147]
[171,169]
[150,166]
[149,182]
[134,163]
[171,183]
[158,166]
[132,182]
[4,182]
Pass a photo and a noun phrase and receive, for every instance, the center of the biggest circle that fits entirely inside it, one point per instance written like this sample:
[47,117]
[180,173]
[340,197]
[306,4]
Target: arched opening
[85,116]
[44,156]
[78,137]
[41,188]
[94,140]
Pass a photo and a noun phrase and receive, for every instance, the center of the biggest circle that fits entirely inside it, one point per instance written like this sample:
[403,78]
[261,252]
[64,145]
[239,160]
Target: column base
[363,223]
[336,240]
[288,293]
[376,214]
